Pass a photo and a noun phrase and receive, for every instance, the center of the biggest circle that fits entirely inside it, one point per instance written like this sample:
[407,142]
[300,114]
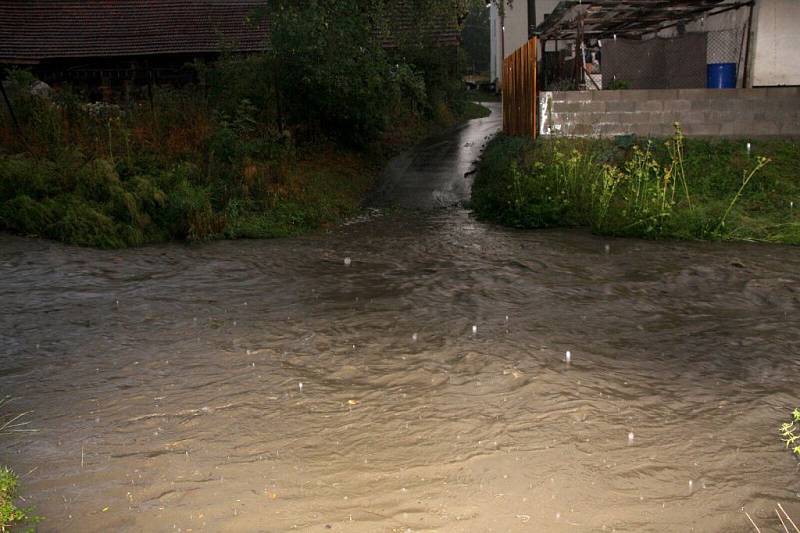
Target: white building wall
[495,65]
[776,47]
[516,30]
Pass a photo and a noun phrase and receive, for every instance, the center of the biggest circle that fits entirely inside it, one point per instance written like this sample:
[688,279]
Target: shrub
[654,189]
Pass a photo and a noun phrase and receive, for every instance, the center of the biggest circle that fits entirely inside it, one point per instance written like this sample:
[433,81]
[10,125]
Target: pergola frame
[631,19]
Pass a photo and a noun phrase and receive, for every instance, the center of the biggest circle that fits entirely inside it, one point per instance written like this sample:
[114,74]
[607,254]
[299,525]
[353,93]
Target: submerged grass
[13,517]
[675,188]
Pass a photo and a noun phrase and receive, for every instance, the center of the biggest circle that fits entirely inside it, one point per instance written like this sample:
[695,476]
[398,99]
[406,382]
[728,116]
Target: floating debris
[347,261]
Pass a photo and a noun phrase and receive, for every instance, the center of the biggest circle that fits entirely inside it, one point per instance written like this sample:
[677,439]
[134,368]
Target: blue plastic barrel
[722,76]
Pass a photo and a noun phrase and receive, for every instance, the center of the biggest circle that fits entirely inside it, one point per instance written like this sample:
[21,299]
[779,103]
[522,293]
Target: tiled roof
[36,30]
[33,30]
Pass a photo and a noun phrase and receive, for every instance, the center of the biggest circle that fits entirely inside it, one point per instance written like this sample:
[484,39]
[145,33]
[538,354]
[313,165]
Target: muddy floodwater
[404,372]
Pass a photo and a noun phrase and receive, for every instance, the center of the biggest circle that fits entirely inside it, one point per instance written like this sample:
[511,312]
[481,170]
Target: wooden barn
[111,44]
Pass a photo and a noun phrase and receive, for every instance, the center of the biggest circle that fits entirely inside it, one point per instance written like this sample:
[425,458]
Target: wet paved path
[438,173]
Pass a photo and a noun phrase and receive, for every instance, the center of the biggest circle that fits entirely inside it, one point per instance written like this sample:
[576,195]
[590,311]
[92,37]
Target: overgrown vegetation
[261,145]
[674,188]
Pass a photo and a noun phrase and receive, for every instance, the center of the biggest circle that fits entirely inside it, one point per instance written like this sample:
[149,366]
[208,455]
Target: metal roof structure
[632,19]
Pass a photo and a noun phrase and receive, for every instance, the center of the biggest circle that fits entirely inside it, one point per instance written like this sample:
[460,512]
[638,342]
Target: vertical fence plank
[520,94]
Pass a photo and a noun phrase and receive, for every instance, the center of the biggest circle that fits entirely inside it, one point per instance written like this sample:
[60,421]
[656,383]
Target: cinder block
[757,128]
[782,92]
[702,130]
[662,94]
[613,130]
[593,107]
[727,129]
[620,105]
[641,130]
[682,118]
[609,96]
[582,107]
[613,118]
[692,94]
[650,105]
[751,94]
[663,130]
[788,105]
[581,129]
[634,95]
[791,128]
[715,104]
[724,117]
[576,96]
[677,105]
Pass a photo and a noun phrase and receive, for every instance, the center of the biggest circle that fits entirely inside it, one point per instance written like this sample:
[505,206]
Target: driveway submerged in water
[439,172]
[270,386]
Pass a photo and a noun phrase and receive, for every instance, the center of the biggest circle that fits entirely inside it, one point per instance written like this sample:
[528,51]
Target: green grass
[12,516]
[675,188]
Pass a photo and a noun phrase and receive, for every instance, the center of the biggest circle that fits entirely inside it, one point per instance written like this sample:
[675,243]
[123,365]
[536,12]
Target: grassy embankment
[675,188]
[201,162]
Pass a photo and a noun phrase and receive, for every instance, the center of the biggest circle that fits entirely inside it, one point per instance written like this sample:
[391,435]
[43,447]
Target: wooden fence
[520,94]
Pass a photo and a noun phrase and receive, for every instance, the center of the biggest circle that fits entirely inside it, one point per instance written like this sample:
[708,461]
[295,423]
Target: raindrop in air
[474,330]
[607,248]
[414,337]
[630,437]
[568,357]
[300,385]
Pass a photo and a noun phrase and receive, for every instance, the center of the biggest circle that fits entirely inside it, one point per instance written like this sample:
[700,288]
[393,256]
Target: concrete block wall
[763,112]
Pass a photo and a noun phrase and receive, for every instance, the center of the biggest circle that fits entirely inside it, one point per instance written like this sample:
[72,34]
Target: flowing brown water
[269,386]
[166,381]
